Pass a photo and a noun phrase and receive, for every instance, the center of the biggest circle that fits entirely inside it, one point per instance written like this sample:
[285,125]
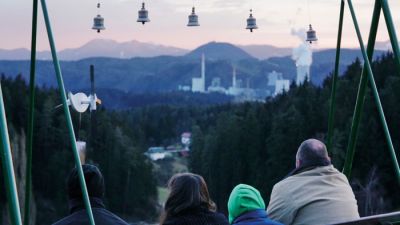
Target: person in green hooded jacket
[246,207]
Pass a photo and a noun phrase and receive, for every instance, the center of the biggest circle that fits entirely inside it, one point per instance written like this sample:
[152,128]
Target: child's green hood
[244,198]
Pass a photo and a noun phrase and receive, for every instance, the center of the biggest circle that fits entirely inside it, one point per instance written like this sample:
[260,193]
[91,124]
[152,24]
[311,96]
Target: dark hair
[311,152]
[187,191]
[94,182]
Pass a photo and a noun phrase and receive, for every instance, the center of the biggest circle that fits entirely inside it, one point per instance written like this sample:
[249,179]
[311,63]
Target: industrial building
[199,84]
[274,86]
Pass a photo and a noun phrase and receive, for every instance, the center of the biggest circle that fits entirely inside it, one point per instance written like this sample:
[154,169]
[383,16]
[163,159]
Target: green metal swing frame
[367,75]
[12,193]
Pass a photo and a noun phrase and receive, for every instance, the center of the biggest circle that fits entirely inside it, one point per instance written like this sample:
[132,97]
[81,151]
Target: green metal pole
[335,78]
[361,93]
[376,94]
[8,168]
[392,31]
[29,140]
[67,113]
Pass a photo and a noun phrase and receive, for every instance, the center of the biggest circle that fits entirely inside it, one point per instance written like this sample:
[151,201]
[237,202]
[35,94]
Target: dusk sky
[220,20]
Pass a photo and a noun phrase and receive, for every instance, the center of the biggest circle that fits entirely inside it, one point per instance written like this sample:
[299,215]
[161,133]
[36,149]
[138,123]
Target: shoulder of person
[332,171]
[109,216]
[220,218]
[284,185]
[68,220]
[316,171]
[263,222]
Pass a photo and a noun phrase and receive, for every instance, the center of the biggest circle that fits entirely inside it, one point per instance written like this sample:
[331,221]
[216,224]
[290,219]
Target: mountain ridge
[96,48]
[131,49]
[166,73]
[219,51]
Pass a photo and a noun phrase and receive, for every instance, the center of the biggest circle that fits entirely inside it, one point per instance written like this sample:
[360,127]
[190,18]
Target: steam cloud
[302,55]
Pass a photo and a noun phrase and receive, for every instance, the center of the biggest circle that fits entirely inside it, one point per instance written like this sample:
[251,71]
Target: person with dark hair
[314,192]
[95,187]
[247,207]
[189,203]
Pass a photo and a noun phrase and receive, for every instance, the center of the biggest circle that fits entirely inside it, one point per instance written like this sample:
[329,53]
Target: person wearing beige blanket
[314,193]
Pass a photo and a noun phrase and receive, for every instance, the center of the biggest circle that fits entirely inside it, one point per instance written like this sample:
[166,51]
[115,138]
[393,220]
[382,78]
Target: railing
[383,219]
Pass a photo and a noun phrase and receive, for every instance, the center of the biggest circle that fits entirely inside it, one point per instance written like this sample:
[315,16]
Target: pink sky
[221,20]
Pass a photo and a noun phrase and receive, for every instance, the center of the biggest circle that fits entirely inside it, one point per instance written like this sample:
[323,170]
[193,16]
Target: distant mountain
[323,62]
[266,51]
[22,54]
[99,48]
[165,73]
[269,51]
[113,49]
[219,51]
[384,45]
[131,49]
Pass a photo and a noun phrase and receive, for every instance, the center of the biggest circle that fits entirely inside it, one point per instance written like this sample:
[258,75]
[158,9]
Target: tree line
[252,142]
[256,143]
[130,185]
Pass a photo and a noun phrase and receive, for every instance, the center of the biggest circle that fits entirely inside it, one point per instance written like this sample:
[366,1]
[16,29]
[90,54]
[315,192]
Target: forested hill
[256,143]
[130,184]
[252,143]
[167,73]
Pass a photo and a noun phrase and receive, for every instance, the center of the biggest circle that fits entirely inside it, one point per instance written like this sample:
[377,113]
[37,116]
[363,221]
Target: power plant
[274,85]
[199,84]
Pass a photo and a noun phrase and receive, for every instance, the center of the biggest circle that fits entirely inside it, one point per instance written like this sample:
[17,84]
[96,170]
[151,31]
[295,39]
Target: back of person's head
[94,182]
[187,191]
[312,152]
[244,198]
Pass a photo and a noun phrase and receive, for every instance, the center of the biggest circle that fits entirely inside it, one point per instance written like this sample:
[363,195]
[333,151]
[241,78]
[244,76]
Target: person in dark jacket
[95,186]
[246,207]
[189,203]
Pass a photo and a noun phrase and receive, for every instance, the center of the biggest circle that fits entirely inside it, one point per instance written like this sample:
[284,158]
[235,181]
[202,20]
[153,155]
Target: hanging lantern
[98,22]
[251,22]
[143,15]
[193,19]
[311,35]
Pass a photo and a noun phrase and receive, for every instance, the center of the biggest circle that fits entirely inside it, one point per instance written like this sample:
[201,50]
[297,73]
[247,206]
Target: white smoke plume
[302,55]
